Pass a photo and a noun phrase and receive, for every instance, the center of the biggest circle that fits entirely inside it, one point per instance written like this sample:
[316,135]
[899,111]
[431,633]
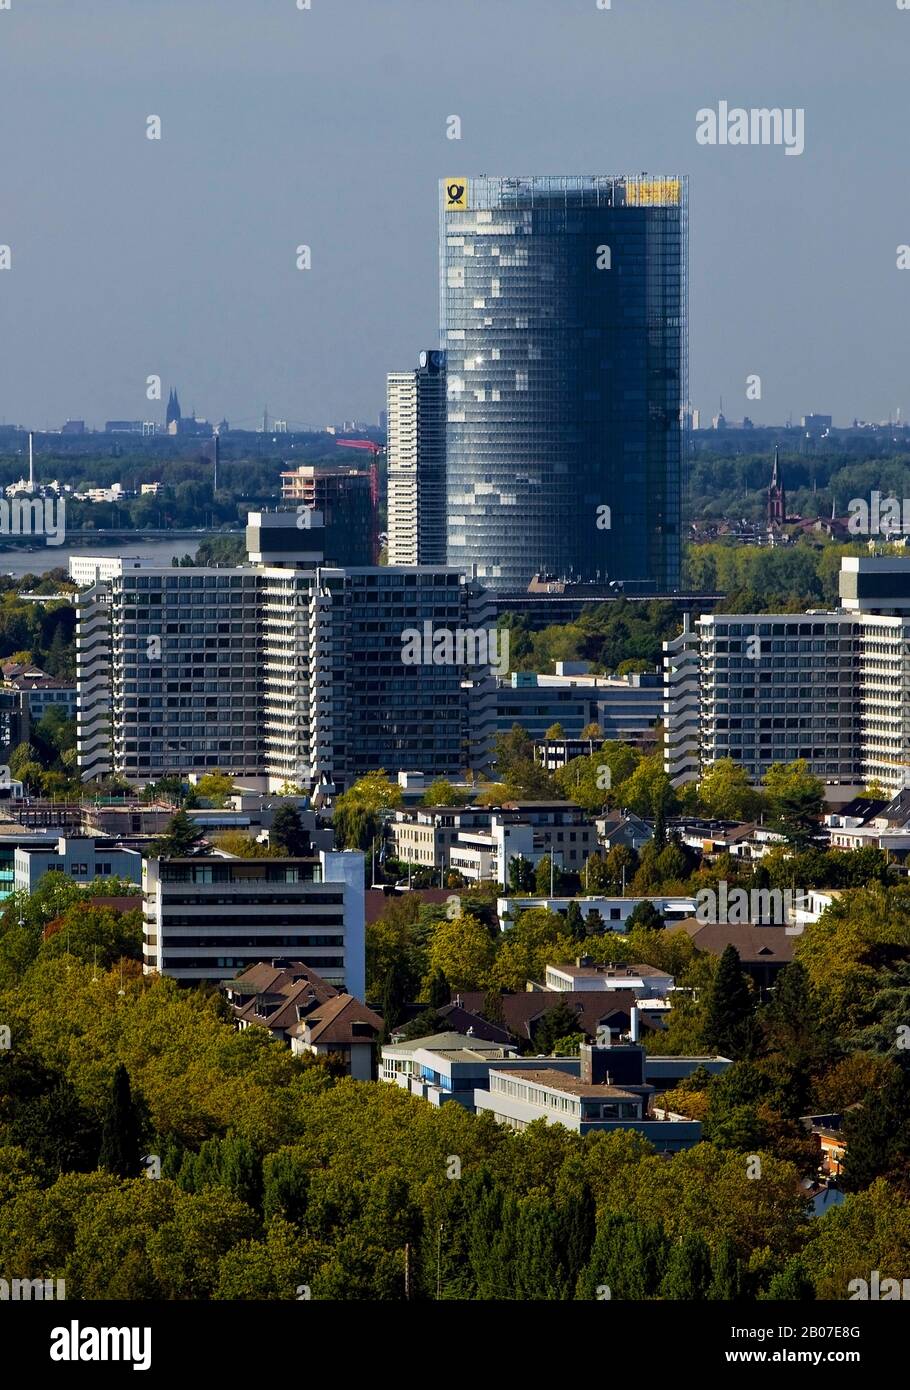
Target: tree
[442,793]
[594,923]
[287,834]
[790,1285]
[726,793]
[731,1008]
[627,1258]
[796,802]
[355,824]
[542,878]
[462,949]
[555,731]
[878,1137]
[621,865]
[424,1025]
[644,915]
[596,877]
[182,837]
[215,787]
[120,1130]
[726,1273]
[575,924]
[537,938]
[559,1022]
[687,1276]
[438,992]
[521,874]
[394,997]
[649,787]
[793,1021]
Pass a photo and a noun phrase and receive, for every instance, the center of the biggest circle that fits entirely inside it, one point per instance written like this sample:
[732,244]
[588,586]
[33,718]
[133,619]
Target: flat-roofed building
[212,916]
[608,1092]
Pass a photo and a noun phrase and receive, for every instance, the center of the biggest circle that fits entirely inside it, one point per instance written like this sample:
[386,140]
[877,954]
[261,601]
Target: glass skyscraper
[563,312]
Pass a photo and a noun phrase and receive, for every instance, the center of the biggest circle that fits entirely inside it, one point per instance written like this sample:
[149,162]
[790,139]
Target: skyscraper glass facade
[563,311]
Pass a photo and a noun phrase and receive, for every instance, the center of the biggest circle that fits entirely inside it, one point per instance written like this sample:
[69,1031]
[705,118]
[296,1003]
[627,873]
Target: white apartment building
[286,668]
[209,918]
[832,688]
[168,673]
[417,463]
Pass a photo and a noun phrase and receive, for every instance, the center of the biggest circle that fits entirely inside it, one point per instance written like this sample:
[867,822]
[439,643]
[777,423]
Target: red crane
[374,450]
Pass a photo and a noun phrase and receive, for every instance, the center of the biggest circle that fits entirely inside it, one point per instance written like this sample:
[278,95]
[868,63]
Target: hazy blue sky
[327,126]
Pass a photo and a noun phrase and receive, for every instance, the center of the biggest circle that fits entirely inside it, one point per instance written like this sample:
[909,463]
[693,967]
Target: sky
[326,126]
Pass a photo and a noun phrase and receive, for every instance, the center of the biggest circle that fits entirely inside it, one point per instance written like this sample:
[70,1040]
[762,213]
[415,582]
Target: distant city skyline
[327,128]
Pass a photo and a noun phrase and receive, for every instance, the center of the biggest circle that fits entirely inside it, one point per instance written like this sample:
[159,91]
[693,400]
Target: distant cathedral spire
[777,496]
[173,408]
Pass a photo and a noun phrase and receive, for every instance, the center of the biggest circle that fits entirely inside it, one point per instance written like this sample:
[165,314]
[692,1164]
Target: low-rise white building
[645,981]
[614,911]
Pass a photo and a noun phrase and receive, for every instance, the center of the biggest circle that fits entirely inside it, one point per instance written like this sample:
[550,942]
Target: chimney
[31,462]
[634,1023]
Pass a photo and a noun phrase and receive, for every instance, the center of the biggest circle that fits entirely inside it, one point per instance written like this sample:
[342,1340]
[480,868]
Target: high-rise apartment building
[417,463]
[288,668]
[339,698]
[832,688]
[168,673]
[563,310]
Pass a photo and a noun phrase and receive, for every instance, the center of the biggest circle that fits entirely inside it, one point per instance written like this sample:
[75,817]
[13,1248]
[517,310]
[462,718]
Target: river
[18,561]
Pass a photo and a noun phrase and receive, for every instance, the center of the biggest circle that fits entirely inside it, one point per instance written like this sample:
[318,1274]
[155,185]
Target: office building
[82,858]
[417,463]
[344,497]
[563,311]
[625,708]
[608,1092]
[832,688]
[210,918]
[88,569]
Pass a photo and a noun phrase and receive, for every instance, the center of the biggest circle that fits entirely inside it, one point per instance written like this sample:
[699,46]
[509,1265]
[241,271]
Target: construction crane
[374,450]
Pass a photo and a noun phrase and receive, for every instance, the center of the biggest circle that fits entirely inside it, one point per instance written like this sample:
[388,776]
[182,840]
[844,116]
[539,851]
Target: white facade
[211,917]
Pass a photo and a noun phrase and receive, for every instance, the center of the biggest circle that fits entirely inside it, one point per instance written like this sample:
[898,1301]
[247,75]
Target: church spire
[777,496]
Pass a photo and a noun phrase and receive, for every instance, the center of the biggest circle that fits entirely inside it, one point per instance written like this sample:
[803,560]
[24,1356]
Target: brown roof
[295,988]
[558,1081]
[332,1022]
[610,972]
[756,945]
[522,1012]
[376,901]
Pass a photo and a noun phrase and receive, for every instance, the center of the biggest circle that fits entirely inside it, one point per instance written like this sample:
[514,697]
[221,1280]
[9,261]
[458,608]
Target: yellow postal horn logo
[456,194]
